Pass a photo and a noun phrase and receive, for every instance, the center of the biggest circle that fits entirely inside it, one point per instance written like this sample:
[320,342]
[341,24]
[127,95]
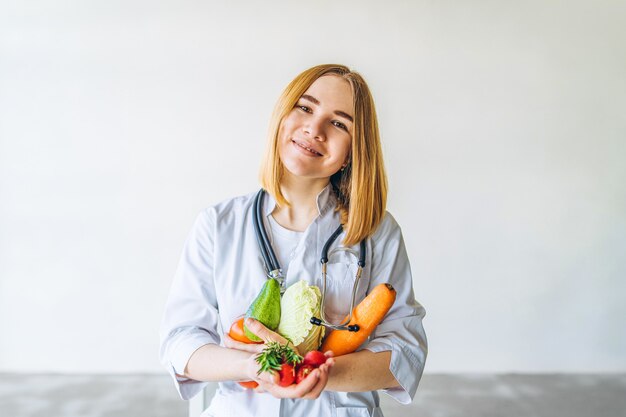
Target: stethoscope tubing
[271,262]
[257,232]
[273,270]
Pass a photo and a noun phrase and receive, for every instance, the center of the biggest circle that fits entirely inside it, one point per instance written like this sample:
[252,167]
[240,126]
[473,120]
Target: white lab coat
[221,271]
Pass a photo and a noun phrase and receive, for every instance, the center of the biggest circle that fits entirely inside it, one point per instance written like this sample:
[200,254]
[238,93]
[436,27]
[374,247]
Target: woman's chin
[305,172]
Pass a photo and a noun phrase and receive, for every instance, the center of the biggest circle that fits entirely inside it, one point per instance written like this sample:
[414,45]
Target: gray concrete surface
[438,396]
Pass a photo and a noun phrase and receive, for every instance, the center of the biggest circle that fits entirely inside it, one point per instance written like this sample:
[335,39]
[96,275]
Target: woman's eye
[304,108]
[341,126]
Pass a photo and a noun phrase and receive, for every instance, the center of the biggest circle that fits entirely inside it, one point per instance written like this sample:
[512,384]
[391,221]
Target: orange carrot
[367,315]
[248,384]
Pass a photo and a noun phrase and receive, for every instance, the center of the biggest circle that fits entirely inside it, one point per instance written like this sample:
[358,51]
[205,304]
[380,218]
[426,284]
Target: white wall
[504,131]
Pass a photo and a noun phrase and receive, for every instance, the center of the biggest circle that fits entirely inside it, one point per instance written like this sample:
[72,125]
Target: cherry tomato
[314,358]
[303,371]
[287,375]
[236,332]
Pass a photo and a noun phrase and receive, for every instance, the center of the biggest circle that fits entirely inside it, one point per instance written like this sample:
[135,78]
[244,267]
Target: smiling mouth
[308,149]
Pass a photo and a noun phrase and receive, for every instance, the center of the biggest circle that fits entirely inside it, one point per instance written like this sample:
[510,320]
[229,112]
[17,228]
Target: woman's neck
[302,195]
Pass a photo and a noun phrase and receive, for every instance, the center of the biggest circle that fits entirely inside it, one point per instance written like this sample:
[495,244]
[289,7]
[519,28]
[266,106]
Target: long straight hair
[361,188]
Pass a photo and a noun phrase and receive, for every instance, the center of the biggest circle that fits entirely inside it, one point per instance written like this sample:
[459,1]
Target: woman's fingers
[231,343]
[317,389]
[270,378]
[301,389]
[307,384]
[309,388]
[263,332]
[268,383]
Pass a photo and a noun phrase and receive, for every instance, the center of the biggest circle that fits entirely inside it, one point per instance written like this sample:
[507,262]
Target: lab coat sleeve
[401,331]
[191,317]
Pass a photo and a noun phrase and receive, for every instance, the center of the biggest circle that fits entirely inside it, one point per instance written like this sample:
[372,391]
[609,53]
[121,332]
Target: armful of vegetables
[299,303]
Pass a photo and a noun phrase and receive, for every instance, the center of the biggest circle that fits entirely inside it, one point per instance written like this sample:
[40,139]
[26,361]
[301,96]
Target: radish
[314,358]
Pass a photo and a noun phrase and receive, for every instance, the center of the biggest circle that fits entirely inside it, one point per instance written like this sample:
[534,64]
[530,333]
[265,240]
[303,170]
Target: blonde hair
[361,188]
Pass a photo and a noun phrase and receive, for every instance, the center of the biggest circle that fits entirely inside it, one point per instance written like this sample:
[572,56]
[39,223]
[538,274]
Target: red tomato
[287,375]
[303,371]
[249,384]
[314,358]
[236,332]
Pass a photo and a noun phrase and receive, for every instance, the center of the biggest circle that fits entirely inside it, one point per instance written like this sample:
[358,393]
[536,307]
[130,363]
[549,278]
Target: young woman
[323,167]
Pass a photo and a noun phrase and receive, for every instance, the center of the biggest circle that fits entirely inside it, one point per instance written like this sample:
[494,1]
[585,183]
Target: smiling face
[314,139]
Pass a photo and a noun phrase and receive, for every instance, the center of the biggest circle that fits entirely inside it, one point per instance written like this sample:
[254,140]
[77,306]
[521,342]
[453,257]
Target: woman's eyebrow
[337,112]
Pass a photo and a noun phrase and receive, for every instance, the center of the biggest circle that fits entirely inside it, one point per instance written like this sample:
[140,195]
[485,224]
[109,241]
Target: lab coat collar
[325,200]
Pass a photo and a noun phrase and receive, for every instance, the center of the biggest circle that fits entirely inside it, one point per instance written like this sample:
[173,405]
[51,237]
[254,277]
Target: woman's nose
[314,128]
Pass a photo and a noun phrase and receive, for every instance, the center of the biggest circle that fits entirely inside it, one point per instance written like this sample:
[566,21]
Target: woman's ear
[348,159]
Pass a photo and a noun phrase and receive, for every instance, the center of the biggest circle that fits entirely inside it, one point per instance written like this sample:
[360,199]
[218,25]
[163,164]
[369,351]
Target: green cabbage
[299,303]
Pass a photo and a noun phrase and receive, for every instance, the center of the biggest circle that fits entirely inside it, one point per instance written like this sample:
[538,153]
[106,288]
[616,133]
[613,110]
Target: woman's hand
[231,343]
[309,388]
[262,332]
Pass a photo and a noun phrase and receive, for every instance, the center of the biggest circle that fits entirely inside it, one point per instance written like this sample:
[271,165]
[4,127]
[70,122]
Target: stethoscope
[273,270]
